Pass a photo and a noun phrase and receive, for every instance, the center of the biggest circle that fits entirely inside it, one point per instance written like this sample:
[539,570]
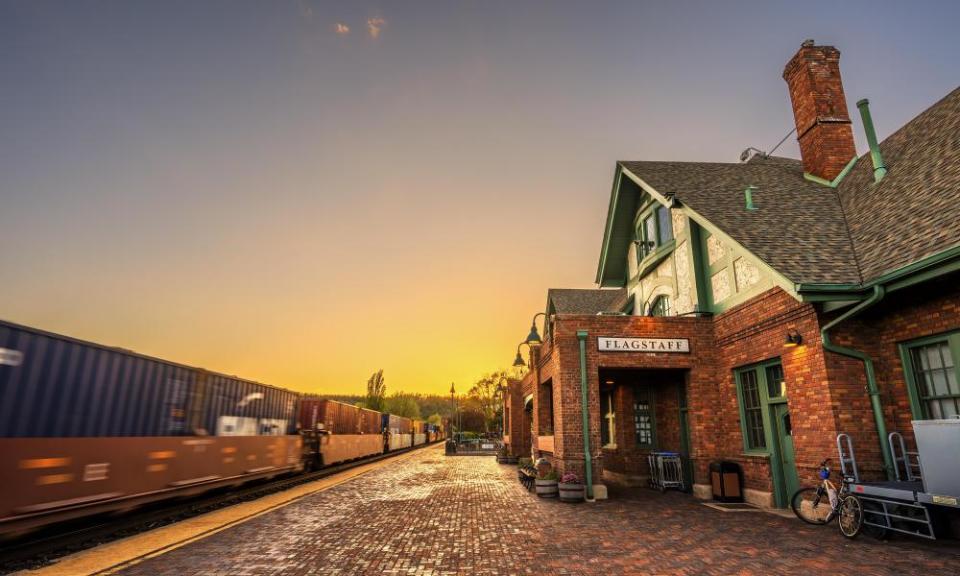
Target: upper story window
[654,230]
[660,306]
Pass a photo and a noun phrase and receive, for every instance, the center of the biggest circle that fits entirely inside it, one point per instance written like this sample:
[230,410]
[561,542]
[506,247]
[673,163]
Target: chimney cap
[807,43]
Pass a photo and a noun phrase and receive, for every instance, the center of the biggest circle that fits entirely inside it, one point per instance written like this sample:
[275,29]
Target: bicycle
[809,505]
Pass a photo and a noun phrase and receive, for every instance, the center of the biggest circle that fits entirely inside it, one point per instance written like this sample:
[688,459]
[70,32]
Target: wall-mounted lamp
[793,339]
[533,338]
[518,361]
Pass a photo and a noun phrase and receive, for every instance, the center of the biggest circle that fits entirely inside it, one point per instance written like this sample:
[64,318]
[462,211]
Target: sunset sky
[301,193]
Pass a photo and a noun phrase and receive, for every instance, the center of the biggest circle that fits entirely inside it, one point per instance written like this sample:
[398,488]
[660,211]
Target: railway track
[41,548]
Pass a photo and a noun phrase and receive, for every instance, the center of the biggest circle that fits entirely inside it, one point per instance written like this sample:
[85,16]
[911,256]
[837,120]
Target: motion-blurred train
[87,429]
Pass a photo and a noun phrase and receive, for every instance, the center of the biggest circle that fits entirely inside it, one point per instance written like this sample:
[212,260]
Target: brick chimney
[820,110]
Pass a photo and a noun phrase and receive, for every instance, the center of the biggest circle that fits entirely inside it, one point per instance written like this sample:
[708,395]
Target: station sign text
[643,344]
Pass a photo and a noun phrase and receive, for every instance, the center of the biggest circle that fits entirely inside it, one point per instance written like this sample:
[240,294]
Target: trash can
[726,478]
[451,447]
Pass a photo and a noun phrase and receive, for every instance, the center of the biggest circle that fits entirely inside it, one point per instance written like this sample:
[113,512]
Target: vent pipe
[879,168]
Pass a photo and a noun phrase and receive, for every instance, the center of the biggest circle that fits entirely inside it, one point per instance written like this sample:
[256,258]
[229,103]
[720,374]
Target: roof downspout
[879,168]
[585,410]
[878,293]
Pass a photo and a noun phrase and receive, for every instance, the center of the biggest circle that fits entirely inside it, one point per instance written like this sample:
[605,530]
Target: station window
[546,408]
[608,425]
[660,306]
[933,376]
[643,417]
[754,435]
[655,229]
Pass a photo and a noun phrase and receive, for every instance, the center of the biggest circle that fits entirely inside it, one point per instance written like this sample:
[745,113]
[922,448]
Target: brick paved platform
[430,514]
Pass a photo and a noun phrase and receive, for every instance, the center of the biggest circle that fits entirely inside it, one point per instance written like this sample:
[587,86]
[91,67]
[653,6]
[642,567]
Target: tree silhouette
[376,391]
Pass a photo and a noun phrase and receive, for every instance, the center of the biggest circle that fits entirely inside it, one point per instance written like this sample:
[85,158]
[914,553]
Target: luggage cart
[666,471]
[903,505]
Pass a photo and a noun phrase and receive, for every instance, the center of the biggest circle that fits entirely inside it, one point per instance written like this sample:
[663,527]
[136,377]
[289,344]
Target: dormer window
[660,306]
[655,229]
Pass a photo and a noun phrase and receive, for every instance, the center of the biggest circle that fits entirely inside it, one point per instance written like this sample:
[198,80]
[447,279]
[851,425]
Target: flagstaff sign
[643,344]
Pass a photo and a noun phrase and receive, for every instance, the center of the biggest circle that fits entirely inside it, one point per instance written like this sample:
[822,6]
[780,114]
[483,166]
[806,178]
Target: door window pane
[643,417]
[775,384]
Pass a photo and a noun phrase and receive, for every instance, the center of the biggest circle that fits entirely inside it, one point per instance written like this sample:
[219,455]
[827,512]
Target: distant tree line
[479,409]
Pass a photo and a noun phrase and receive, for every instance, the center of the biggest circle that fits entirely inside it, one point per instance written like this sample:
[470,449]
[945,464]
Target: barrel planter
[570,492]
[546,488]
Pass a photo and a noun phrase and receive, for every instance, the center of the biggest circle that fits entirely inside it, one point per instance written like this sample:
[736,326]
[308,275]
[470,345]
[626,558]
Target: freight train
[88,429]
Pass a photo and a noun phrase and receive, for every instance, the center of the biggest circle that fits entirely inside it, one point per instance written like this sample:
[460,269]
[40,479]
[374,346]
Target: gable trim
[779,279]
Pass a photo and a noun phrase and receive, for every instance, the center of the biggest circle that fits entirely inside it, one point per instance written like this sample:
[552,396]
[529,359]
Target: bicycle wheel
[850,516]
[811,505]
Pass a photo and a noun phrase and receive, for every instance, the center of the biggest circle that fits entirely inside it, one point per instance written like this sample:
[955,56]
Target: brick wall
[902,316]
[825,392]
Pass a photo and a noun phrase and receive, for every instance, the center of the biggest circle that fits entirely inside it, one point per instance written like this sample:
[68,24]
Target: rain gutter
[878,293]
[585,411]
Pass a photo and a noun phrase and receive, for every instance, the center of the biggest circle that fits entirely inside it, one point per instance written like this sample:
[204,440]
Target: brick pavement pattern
[435,515]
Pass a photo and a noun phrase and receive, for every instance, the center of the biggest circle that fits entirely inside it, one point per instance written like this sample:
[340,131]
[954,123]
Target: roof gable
[584,301]
[846,234]
[797,229]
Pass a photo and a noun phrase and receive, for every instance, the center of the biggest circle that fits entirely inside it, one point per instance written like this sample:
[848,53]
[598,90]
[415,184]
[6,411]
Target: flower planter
[546,488]
[570,492]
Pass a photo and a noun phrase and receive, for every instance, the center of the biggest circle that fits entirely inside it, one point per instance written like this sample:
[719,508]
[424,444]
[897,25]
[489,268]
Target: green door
[784,439]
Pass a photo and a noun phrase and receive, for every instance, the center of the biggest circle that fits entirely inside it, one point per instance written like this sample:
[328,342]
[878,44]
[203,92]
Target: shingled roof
[814,234]
[915,210]
[588,301]
[797,228]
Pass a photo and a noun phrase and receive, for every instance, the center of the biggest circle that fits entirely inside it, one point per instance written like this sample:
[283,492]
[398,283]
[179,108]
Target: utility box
[938,444]
[726,479]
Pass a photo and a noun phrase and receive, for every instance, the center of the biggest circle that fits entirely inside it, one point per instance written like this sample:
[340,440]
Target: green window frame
[931,367]
[758,386]
[644,421]
[660,306]
[654,230]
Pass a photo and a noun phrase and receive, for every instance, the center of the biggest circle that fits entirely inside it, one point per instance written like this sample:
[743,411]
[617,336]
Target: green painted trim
[927,268]
[952,338]
[608,229]
[916,410]
[653,259]
[767,406]
[879,168]
[747,449]
[699,266]
[668,202]
[836,181]
[779,279]
[872,390]
[585,412]
[683,415]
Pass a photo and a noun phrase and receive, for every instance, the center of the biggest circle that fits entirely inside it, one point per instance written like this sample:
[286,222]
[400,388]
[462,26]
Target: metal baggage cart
[666,471]
[924,478]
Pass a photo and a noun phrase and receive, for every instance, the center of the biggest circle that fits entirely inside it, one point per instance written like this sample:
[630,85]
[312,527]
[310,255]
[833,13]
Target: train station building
[750,312]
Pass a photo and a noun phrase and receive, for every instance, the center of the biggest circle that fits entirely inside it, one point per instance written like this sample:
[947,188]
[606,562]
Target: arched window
[660,306]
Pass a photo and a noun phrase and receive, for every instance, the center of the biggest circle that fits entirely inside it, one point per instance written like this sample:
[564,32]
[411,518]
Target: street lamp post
[453,402]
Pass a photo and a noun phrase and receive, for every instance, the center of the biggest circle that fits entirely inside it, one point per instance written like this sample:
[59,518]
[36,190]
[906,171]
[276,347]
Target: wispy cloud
[341,29]
[375,26]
